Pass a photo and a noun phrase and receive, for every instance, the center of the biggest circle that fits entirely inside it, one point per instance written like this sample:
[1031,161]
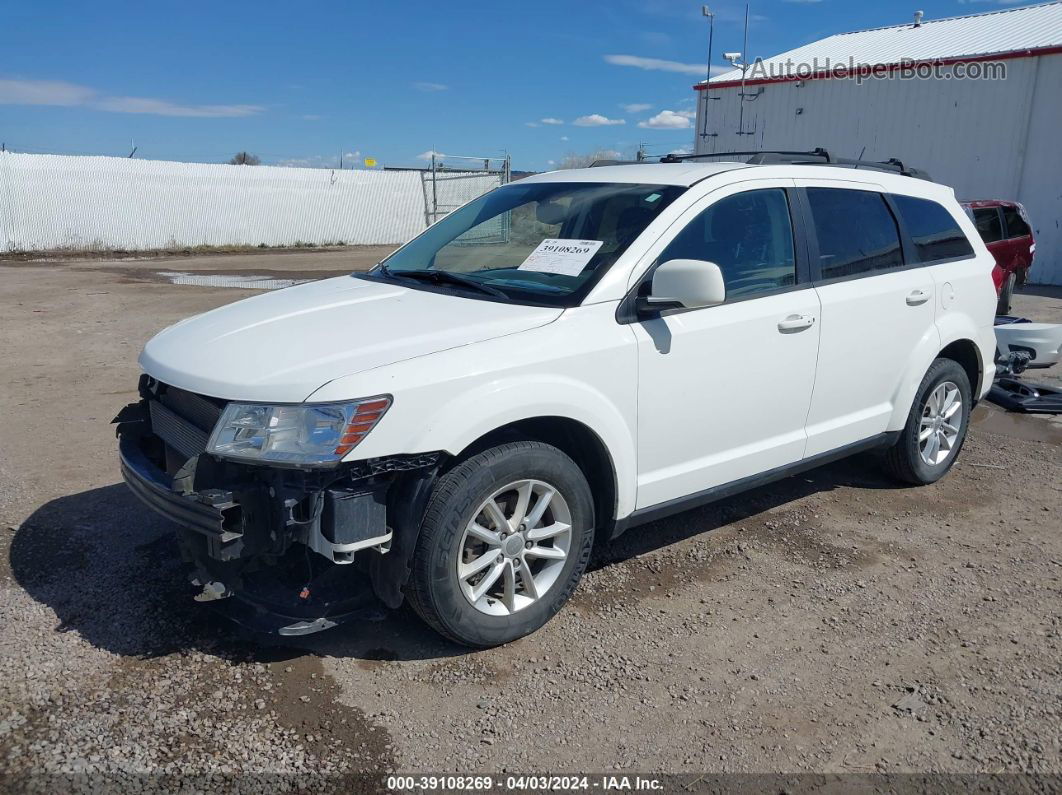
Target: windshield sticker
[565,257]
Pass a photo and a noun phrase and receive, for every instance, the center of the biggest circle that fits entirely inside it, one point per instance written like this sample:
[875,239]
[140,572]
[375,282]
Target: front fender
[472,415]
[582,368]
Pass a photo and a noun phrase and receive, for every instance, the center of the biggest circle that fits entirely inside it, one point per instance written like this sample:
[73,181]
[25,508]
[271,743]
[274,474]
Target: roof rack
[816,157]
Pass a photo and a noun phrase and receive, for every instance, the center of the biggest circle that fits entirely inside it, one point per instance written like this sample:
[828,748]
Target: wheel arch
[956,344]
[576,440]
[966,353]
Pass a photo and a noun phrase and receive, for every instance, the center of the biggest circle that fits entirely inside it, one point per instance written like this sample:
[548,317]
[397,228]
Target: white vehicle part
[695,284]
[694,432]
[869,331]
[1042,340]
[582,368]
[342,553]
[974,298]
[279,347]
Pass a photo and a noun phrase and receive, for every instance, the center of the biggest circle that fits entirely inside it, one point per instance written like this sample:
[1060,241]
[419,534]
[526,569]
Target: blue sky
[302,83]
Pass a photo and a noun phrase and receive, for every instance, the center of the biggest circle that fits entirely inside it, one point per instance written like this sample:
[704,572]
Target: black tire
[1006,293]
[904,459]
[434,589]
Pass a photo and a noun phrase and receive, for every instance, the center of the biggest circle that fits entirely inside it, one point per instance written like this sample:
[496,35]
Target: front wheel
[504,541]
[936,427]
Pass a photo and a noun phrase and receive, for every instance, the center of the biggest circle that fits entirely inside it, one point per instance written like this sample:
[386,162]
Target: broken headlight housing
[306,434]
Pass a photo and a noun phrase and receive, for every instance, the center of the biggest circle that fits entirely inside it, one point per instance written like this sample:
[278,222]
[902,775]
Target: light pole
[711,35]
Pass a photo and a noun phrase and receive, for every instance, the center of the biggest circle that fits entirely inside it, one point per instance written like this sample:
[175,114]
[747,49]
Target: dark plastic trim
[155,489]
[680,504]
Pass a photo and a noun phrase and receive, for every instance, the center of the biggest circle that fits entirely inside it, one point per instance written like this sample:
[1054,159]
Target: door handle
[917,297]
[795,323]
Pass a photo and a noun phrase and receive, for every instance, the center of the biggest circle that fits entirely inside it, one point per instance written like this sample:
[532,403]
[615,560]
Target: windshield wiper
[440,277]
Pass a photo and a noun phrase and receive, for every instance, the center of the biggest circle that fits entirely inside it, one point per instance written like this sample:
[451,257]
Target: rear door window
[856,232]
[934,231]
[1016,226]
[989,226]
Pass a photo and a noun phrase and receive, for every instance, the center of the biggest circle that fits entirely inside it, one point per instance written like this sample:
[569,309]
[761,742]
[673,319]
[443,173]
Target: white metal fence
[64,202]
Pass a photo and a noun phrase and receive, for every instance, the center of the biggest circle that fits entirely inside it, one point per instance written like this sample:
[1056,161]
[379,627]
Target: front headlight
[308,434]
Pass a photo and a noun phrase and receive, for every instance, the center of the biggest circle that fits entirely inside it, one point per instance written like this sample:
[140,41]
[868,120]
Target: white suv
[562,359]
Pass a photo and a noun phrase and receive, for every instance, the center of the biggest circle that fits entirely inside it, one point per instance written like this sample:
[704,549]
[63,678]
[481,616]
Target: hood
[284,345]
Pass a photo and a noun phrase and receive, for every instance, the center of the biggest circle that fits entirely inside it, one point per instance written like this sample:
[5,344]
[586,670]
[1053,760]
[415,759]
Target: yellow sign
[369,162]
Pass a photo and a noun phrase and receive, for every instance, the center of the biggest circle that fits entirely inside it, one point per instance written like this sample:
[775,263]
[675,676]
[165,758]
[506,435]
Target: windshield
[540,243]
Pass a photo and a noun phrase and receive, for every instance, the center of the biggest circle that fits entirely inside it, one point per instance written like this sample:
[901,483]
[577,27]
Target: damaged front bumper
[282,550]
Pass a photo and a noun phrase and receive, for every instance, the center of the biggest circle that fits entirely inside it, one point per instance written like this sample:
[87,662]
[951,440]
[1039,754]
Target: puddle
[246,282]
[1016,426]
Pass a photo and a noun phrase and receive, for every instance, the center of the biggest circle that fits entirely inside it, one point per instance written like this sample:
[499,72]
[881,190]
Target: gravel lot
[832,622]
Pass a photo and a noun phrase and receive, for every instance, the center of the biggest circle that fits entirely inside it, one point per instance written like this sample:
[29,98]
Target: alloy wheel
[514,547]
[941,420]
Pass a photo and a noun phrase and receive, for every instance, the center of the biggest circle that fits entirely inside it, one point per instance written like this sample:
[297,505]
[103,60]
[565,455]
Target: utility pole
[744,69]
[708,77]
[434,186]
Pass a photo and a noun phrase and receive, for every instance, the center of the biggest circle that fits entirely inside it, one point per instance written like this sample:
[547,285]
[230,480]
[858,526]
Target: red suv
[1004,226]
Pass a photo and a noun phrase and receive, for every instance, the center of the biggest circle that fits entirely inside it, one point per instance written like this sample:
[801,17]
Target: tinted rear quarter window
[856,232]
[1016,226]
[988,224]
[935,233]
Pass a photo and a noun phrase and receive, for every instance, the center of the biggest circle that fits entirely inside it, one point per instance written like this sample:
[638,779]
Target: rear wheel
[1006,293]
[504,541]
[936,427]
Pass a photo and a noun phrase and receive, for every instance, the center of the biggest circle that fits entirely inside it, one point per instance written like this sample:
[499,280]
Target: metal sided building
[938,101]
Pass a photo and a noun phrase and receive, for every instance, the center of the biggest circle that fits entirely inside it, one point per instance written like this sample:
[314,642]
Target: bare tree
[576,160]
[245,159]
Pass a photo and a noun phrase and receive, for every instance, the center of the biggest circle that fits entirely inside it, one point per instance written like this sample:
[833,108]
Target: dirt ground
[831,623]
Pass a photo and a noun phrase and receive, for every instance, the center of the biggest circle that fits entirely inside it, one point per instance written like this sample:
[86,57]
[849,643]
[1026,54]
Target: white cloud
[311,117]
[43,92]
[427,155]
[636,107]
[682,150]
[668,120]
[564,137]
[655,64]
[59,93]
[162,107]
[311,161]
[532,124]
[425,86]
[551,120]
[596,120]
